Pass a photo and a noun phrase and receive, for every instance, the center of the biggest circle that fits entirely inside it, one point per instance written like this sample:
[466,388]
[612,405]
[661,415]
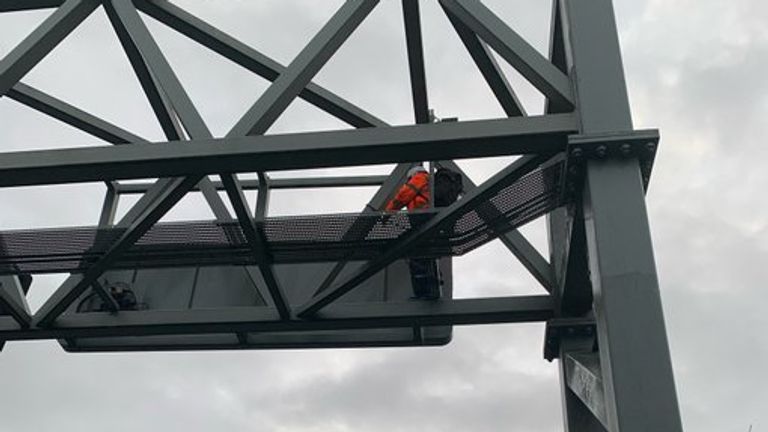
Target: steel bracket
[558,328]
[642,144]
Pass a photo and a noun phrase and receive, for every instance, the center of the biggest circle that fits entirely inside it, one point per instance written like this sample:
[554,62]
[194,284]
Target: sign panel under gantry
[232,304]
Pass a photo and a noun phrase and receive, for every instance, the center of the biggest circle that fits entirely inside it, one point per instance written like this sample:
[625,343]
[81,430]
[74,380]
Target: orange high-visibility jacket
[414,194]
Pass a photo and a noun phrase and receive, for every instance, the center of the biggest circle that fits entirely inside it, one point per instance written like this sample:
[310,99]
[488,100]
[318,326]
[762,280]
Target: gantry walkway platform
[290,239]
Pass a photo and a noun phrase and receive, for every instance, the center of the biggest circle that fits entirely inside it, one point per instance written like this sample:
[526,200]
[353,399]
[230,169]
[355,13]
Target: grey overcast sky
[696,70]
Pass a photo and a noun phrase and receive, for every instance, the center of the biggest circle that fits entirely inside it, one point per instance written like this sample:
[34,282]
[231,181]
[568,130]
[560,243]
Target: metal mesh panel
[350,236]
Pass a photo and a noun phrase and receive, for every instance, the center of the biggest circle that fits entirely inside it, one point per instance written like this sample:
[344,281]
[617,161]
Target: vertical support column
[576,416]
[634,354]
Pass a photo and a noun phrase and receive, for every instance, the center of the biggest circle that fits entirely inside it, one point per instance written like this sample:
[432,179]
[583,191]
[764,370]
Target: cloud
[696,70]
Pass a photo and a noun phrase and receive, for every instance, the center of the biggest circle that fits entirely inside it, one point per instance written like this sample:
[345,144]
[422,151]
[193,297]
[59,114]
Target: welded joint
[642,145]
[559,328]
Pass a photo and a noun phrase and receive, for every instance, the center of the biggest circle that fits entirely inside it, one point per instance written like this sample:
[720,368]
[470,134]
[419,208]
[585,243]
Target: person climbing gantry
[415,194]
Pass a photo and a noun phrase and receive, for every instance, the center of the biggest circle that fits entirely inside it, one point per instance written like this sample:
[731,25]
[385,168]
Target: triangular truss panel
[148,276]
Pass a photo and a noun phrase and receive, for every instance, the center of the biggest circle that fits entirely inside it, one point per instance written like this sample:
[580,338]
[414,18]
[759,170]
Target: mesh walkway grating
[291,239]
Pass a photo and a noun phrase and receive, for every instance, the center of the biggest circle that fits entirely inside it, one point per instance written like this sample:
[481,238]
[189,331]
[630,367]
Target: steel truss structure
[603,310]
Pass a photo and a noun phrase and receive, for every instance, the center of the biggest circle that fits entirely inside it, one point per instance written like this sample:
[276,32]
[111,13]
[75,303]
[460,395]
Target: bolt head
[601,151]
[626,149]
[577,153]
[651,147]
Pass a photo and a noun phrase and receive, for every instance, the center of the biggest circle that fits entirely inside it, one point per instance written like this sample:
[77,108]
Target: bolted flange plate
[641,144]
[558,328]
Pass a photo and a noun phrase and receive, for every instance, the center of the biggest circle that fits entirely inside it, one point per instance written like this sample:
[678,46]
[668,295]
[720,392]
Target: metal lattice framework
[582,163]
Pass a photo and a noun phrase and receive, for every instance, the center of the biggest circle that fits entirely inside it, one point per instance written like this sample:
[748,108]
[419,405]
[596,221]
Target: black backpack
[448,186]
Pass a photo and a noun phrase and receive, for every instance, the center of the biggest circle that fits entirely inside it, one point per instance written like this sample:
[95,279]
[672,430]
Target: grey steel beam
[109,208]
[413,43]
[247,57]
[257,242]
[634,353]
[377,202]
[14,302]
[127,21]
[557,56]
[488,67]
[262,115]
[528,256]
[567,241]
[161,106]
[26,5]
[141,46]
[107,299]
[577,417]
[74,286]
[276,183]
[262,199]
[71,115]
[299,73]
[129,27]
[528,135]
[584,379]
[400,248]
[351,316]
[161,85]
[42,41]
[514,49]
[62,111]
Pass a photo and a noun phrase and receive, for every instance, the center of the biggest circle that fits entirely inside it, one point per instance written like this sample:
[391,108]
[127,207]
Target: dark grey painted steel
[255,237]
[42,40]
[196,128]
[544,134]
[634,355]
[262,199]
[301,70]
[161,85]
[13,301]
[276,183]
[74,286]
[342,316]
[514,49]
[611,225]
[516,170]
[172,103]
[412,20]
[71,115]
[217,290]
[109,302]
[25,5]
[388,188]
[277,98]
[490,70]
[567,241]
[109,208]
[249,58]
[584,379]
[528,256]
[577,417]
[290,83]
[157,99]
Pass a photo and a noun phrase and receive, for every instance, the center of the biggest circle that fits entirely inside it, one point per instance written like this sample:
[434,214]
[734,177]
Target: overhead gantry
[251,280]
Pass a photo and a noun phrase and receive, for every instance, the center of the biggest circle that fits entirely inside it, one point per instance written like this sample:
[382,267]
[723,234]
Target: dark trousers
[425,278]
